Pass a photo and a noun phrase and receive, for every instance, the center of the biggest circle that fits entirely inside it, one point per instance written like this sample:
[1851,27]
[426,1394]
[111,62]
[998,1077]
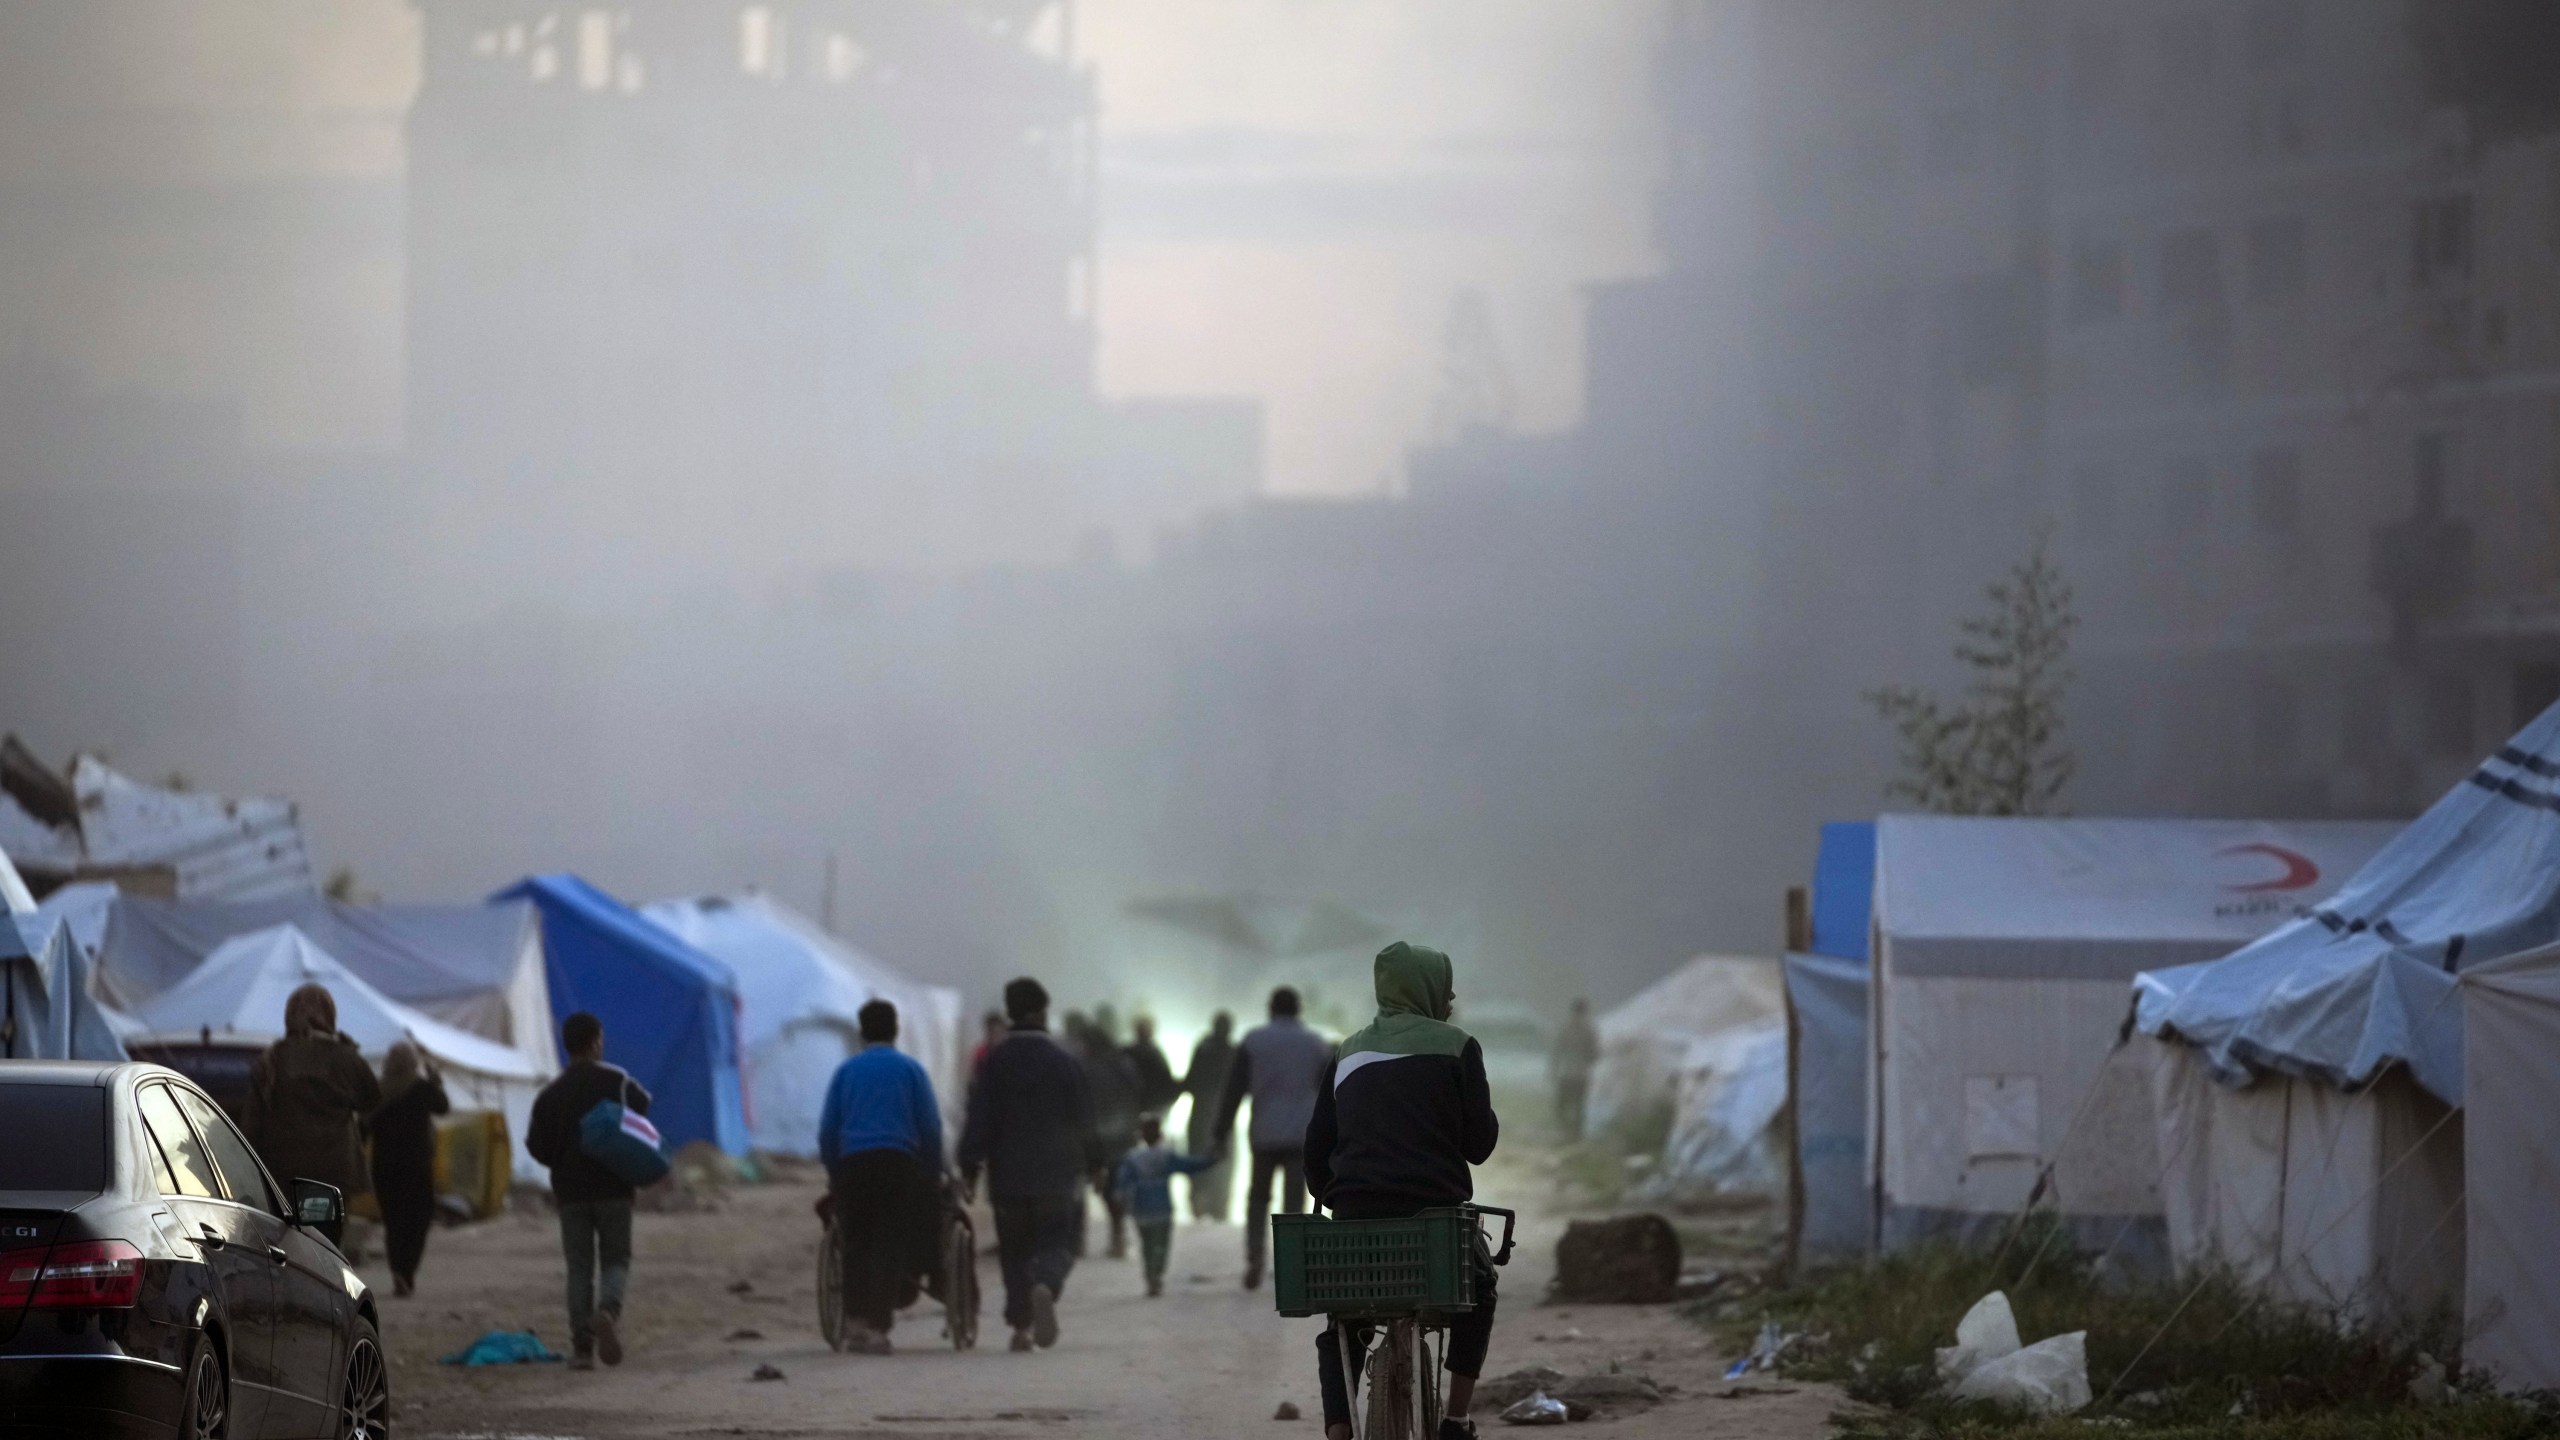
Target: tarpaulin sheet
[475,967]
[46,1010]
[670,1012]
[1844,886]
[1828,998]
[2511,1072]
[2365,980]
[801,992]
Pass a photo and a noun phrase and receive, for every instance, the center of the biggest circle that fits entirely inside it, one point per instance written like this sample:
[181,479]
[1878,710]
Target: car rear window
[57,1137]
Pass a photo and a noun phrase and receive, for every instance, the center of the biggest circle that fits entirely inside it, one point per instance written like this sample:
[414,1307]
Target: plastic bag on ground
[503,1347]
[1987,1332]
[2050,1377]
[1536,1408]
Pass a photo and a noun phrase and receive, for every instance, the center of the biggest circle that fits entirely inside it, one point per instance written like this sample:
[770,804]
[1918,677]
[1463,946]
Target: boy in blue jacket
[1145,1185]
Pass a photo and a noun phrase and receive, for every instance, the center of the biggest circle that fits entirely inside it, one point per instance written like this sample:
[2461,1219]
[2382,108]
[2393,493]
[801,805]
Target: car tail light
[84,1275]
[18,1271]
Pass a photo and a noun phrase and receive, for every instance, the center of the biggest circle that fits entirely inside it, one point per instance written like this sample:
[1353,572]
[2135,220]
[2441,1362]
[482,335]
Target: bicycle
[1401,1279]
[953,1280]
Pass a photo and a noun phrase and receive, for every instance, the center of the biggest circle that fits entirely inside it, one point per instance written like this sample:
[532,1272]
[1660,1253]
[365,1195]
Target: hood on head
[1414,981]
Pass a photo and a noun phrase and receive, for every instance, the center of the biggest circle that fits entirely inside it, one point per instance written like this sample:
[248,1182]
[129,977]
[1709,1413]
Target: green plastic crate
[1374,1268]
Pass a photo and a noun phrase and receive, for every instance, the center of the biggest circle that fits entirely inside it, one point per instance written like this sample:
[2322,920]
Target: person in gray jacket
[1282,1065]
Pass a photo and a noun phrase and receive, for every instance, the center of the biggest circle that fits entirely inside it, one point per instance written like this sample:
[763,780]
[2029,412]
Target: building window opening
[2186,499]
[2190,271]
[2093,503]
[2449,717]
[2278,260]
[2097,281]
[760,42]
[2440,240]
[2275,490]
[845,58]
[595,50]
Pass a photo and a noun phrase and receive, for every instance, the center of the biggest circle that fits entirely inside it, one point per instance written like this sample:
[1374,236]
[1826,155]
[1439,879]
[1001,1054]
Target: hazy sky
[1293,189]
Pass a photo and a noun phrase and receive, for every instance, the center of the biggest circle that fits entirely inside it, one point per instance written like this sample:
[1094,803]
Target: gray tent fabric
[2364,981]
[2511,1071]
[46,1010]
[1827,1003]
[475,967]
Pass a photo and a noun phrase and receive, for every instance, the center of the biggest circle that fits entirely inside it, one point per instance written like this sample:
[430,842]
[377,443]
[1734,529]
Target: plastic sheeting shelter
[46,1009]
[1827,1050]
[2003,950]
[239,993]
[2344,1201]
[670,1012]
[2511,1072]
[2364,981]
[475,967]
[800,991]
[1707,1043]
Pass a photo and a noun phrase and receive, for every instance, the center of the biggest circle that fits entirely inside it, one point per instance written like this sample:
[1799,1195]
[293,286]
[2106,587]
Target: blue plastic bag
[623,1141]
[504,1347]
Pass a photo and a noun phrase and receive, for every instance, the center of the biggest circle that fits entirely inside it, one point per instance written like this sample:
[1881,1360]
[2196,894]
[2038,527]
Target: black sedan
[154,1278]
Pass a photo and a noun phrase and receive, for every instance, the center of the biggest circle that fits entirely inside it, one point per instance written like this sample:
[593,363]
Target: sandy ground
[714,1295]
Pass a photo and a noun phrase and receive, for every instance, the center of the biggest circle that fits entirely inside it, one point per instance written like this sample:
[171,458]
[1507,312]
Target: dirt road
[715,1295]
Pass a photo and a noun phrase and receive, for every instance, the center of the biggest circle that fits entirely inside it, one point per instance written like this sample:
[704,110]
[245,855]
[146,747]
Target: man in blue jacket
[881,1136]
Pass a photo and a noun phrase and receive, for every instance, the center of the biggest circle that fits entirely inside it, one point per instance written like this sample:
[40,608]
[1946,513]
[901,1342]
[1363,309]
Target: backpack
[623,1141]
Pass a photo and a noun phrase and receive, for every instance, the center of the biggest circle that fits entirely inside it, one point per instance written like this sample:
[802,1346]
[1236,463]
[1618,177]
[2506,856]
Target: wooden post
[1799,920]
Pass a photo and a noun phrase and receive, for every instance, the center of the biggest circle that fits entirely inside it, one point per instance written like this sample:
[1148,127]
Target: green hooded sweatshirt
[1415,987]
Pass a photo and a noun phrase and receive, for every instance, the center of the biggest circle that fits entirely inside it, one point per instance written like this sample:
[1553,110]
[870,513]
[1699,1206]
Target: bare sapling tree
[1999,750]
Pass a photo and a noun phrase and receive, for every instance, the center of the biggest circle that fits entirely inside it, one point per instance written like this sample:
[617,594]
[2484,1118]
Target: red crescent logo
[2299,872]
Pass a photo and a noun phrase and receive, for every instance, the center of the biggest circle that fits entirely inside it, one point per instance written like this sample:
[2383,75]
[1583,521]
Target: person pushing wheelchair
[1404,1113]
[881,1136]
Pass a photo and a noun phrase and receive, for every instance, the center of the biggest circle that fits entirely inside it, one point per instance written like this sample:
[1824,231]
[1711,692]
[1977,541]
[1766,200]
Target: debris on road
[746,1334]
[1535,1408]
[504,1347]
[1624,1260]
[1288,1411]
[768,1371]
[1604,1394]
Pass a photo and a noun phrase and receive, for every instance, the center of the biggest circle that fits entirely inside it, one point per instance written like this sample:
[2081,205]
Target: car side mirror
[316,1204]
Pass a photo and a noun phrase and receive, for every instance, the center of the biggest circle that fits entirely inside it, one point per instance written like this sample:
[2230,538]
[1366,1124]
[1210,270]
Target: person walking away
[594,1203]
[1569,1068]
[1113,1081]
[308,1094]
[880,1135]
[1206,1083]
[1157,1089]
[1145,1183]
[1030,1127]
[1406,1111]
[404,1159]
[1281,1065]
[990,1034]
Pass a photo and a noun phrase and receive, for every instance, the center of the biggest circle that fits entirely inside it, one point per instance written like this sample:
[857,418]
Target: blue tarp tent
[1827,1005]
[670,1012]
[2366,980]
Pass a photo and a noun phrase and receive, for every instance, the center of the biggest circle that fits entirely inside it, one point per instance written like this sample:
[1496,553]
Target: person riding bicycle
[1403,1115]
[881,1137]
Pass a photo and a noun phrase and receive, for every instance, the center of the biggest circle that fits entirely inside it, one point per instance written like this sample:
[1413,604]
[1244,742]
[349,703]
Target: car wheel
[205,1413]
[364,1405]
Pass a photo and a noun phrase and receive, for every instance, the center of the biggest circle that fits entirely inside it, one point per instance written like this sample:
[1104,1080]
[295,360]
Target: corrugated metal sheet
[219,849]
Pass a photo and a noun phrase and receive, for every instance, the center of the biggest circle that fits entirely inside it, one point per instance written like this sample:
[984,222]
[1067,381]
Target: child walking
[1145,1185]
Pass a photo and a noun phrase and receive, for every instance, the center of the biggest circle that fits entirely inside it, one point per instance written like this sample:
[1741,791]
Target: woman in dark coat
[404,1159]
[306,1094]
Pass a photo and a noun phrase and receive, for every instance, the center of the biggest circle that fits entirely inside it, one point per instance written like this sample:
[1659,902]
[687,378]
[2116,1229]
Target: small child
[1145,1186]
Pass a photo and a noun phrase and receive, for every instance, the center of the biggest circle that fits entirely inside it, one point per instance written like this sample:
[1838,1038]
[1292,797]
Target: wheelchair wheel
[831,1288]
[960,1283]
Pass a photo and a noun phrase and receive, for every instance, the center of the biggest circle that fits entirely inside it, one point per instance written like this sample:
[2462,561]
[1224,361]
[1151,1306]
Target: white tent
[477,968]
[239,992]
[800,989]
[2003,949]
[2511,1072]
[1708,1041]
